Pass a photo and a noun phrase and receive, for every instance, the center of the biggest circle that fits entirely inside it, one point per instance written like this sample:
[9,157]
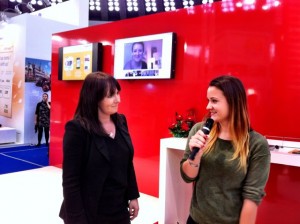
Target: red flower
[185,126]
[189,118]
[182,125]
[179,117]
[172,126]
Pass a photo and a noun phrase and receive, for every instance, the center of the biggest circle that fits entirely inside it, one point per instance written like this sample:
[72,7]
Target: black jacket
[86,165]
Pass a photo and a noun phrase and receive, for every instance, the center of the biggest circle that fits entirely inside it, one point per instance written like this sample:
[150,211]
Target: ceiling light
[17,10]
[29,6]
[47,2]
[3,17]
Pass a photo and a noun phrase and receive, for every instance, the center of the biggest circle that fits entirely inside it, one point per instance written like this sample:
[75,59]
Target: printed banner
[6,78]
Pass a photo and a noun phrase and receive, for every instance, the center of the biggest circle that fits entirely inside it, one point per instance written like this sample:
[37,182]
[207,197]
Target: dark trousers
[191,221]
[40,134]
[103,220]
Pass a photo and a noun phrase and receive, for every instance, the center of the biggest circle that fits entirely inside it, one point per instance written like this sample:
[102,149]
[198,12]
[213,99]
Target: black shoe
[38,145]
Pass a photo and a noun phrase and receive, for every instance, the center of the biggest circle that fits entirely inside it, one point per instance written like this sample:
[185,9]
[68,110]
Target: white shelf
[281,155]
[8,135]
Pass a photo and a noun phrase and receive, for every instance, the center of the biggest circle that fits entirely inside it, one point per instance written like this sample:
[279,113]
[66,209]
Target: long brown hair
[95,87]
[239,123]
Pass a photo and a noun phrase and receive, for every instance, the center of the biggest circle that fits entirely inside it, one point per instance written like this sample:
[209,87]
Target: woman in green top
[232,167]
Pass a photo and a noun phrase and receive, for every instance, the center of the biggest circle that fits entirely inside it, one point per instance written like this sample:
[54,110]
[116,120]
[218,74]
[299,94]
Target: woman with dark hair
[232,167]
[99,183]
[42,119]
[137,60]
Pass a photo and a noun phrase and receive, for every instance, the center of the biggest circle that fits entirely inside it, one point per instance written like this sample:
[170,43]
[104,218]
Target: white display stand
[175,195]
[281,155]
[8,135]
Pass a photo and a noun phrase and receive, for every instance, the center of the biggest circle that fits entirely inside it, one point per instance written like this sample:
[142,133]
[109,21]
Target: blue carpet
[21,158]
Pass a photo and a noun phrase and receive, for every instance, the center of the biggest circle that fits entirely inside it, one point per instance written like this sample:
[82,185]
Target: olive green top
[220,187]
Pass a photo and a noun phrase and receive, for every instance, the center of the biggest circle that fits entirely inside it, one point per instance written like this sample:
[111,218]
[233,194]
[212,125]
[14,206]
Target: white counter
[175,194]
[8,135]
[281,155]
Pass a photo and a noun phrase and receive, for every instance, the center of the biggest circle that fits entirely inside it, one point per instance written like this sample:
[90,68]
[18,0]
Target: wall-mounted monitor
[76,62]
[145,57]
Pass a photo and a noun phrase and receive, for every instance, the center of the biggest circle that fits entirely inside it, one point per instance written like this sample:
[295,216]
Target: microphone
[206,129]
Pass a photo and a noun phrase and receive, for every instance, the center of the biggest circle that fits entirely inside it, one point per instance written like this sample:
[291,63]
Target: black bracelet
[193,164]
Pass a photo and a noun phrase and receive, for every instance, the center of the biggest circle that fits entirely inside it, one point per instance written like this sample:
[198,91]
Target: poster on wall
[37,82]
[6,78]
[39,72]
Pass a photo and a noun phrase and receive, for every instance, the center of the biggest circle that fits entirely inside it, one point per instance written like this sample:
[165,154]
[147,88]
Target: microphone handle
[206,130]
[193,153]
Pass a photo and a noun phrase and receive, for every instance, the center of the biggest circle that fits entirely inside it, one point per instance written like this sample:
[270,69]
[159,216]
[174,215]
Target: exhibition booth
[210,41]
[185,49]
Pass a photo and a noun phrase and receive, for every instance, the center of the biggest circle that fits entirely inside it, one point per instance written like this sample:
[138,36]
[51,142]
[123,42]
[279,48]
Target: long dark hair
[235,94]
[95,87]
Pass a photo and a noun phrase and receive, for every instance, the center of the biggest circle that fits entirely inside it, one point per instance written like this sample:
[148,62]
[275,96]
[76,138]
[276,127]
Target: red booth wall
[258,43]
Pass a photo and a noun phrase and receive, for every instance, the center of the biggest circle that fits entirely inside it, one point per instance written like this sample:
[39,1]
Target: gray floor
[34,197]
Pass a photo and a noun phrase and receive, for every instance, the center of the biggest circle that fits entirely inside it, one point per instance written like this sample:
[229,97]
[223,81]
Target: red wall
[282,202]
[259,46]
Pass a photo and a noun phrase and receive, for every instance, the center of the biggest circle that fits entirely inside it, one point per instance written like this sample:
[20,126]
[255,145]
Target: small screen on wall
[76,62]
[145,57]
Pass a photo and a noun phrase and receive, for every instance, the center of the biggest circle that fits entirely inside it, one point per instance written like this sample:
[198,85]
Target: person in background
[99,182]
[232,167]
[136,62]
[42,119]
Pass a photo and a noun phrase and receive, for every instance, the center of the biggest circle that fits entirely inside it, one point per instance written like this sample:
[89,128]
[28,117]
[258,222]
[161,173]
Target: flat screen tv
[145,57]
[76,62]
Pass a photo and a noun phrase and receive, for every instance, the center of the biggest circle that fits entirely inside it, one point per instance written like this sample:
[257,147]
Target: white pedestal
[174,194]
[7,135]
